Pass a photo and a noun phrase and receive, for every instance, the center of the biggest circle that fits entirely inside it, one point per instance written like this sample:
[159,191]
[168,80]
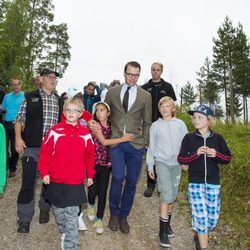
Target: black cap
[48,71]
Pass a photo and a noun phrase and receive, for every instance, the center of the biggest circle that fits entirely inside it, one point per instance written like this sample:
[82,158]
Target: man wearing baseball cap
[39,110]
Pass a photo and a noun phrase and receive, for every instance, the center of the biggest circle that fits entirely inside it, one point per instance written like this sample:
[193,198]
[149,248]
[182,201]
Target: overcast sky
[104,35]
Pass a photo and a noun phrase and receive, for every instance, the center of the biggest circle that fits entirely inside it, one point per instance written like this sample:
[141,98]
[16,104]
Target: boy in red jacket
[66,154]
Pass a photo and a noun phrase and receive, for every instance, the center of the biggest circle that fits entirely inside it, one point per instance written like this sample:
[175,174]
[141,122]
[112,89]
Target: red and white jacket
[67,154]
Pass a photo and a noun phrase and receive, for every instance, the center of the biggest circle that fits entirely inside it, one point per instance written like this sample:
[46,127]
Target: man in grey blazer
[131,113]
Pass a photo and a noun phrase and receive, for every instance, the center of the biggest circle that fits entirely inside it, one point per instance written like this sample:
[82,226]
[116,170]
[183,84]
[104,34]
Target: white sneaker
[98,227]
[62,241]
[81,224]
[90,213]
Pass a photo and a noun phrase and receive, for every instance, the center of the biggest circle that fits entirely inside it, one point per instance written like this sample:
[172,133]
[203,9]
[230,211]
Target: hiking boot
[148,192]
[113,223]
[43,217]
[90,213]
[81,224]
[163,235]
[24,227]
[12,174]
[124,226]
[98,225]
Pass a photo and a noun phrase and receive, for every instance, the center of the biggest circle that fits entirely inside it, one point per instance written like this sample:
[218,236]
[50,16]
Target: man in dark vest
[40,110]
[158,88]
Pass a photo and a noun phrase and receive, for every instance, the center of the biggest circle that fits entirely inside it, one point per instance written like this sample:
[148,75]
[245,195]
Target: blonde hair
[159,64]
[211,121]
[76,101]
[167,99]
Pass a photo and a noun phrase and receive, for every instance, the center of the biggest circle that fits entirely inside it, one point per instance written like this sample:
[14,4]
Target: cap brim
[190,112]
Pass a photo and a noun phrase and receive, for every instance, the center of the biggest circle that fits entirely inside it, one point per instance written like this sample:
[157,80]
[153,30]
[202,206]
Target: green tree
[188,96]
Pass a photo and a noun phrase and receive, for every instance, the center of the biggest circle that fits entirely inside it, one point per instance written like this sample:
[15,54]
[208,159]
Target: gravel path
[143,221]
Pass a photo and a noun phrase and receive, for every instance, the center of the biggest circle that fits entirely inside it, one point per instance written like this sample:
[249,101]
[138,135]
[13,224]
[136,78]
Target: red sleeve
[45,153]
[90,158]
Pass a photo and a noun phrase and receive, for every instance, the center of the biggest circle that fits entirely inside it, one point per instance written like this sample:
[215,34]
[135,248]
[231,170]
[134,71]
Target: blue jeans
[126,164]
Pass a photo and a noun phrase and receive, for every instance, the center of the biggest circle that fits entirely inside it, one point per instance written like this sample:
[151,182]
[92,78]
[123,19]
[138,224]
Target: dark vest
[33,131]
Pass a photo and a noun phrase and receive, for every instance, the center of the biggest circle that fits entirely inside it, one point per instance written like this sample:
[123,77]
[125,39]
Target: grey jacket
[137,118]
[165,141]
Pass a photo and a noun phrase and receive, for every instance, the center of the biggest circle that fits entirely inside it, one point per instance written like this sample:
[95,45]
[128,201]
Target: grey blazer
[137,118]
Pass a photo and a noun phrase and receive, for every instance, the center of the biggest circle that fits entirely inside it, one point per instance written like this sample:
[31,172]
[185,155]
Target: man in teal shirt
[10,105]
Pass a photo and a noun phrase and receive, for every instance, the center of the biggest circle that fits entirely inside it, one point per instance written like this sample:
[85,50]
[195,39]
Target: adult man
[36,80]
[10,105]
[158,88]
[130,112]
[40,110]
[89,97]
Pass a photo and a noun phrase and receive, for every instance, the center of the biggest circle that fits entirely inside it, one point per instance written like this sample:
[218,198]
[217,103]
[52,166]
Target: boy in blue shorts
[203,150]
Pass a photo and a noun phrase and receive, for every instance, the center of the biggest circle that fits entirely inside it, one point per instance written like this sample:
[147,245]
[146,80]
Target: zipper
[205,162]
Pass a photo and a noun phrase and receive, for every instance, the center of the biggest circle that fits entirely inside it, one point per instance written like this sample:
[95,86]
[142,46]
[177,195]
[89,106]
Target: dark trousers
[99,189]
[151,182]
[126,166]
[12,156]
[25,200]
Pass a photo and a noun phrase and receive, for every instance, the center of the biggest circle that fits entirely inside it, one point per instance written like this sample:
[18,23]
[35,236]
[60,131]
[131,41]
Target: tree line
[227,73]
[30,40]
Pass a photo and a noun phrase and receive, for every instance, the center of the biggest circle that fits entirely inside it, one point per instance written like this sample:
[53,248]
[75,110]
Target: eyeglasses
[73,111]
[50,77]
[132,75]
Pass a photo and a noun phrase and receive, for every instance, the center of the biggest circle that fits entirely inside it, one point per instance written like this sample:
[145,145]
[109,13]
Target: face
[48,82]
[131,75]
[166,110]
[37,81]
[90,90]
[156,72]
[102,113]
[200,121]
[72,113]
[16,86]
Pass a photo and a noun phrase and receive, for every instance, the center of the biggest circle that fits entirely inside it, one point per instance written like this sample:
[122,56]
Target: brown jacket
[137,118]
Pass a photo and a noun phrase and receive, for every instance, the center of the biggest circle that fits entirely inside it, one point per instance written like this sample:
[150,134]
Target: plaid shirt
[50,111]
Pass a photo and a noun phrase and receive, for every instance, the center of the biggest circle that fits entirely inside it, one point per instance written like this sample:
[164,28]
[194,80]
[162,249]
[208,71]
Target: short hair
[91,84]
[159,64]
[17,78]
[114,83]
[76,101]
[132,64]
[167,99]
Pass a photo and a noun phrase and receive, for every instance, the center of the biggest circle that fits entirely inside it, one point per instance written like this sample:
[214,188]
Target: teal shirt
[11,104]
[2,158]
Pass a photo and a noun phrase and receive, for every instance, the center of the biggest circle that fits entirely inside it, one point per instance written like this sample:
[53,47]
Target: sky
[105,35]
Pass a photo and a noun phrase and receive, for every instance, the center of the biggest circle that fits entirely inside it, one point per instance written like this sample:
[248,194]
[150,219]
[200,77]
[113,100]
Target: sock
[164,219]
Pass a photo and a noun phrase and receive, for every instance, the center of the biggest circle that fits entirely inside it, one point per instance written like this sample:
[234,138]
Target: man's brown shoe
[124,226]
[113,223]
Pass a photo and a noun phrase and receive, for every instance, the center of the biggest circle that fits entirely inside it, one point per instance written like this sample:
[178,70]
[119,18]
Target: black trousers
[12,156]
[99,189]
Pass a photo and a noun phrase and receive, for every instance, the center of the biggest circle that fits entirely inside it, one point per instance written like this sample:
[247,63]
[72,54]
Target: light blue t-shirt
[11,104]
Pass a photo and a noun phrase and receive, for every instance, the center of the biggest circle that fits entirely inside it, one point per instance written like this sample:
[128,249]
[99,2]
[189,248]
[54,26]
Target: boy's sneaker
[81,224]
[62,241]
[98,227]
[90,213]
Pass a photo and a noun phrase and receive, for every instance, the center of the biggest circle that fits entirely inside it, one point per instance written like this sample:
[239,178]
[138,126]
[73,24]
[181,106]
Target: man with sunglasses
[130,113]
[40,110]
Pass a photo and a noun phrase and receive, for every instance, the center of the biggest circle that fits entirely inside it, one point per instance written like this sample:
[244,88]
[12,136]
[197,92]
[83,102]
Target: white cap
[72,91]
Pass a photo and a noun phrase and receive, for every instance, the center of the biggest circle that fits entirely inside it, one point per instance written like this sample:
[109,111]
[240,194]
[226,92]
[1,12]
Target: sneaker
[98,227]
[81,224]
[90,213]
[62,241]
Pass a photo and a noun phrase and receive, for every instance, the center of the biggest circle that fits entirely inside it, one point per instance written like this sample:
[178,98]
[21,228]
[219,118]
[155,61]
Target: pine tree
[188,96]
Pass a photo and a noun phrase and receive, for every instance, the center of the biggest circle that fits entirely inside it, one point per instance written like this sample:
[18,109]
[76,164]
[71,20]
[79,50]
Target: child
[166,135]
[67,152]
[203,150]
[102,163]
[2,160]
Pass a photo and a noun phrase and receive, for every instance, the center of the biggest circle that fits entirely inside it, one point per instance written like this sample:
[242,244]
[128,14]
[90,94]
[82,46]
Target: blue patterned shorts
[204,200]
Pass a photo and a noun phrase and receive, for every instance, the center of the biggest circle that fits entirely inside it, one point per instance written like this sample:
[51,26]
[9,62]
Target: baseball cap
[48,71]
[202,109]
[73,91]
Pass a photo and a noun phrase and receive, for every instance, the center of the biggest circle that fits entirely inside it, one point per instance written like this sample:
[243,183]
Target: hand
[184,167]
[89,182]
[151,174]
[201,150]
[211,152]
[20,145]
[94,125]
[127,137]
[46,179]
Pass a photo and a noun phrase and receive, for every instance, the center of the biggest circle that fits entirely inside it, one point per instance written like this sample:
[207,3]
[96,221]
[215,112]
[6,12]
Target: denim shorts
[168,179]
[204,200]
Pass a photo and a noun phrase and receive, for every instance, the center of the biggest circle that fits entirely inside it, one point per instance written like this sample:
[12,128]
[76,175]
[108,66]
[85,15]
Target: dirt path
[143,221]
